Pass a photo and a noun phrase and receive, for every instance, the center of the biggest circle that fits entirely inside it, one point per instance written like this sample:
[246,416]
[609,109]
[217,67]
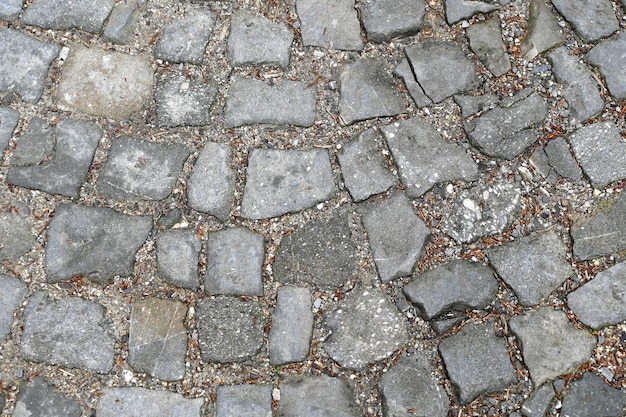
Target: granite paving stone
[181,102]
[12,293]
[8,123]
[470,105]
[10,9]
[95,242]
[292,325]
[590,396]
[184,39]
[68,332]
[561,159]
[387,19]
[244,400]
[550,344]
[404,71]
[331,24]
[285,181]
[122,21]
[457,10]
[177,257]
[144,402]
[36,144]
[485,40]
[539,161]
[536,405]
[37,398]
[585,16]
[87,15]
[316,396]
[16,237]
[543,31]
[610,58]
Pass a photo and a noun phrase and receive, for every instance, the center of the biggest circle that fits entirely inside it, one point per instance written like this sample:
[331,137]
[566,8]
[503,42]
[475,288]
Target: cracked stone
[10,9]
[8,123]
[292,326]
[143,402]
[537,403]
[177,257]
[470,105]
[539,161]
[543,30]
[317,396]
[184,103]
[590,396]
[404,71]
[609,56]
[184,39]
[387,19]
[37,398]
[244,400]
[485,39]
[561,159]
[331,24]
[87,15]
[119,27]
[457,10]
[16,238]
[584,15]
[12,292]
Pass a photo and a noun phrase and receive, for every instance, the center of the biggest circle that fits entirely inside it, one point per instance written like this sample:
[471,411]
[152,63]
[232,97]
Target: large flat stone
[184,103]
[609,56]
[184,39]
[10,9]
[87,15]
[292,326]
[387,19]
[317,396]
[244,400]
[457,10]
[584,15]
[331,24]
[12,292]
[177,257]
[16,238]
[143,402]
[37,398]
[590,396]
[8,123]
[485,39]
[543,31]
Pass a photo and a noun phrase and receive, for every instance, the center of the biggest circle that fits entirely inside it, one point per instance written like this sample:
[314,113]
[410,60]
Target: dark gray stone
[590,396]
[143,402]
[537,403]
[477,361]
[35,145]
[457,10]
[404,71]
[12,292]
[292,326]
[119,28]
[140,169]
[24,64]
[609,57]
[387,19]
[445,324]
[38,399]
[396,236]
[229,329]
[543,31]
[87,15]
[539,160]
[94,242]
[184,39]
[331,24]
[550,344]
[561,159]
[317,396]
[485,40]
[286,181]
[367,91]
[8,123]
[16,238]
[9,10]
[177,257]
[470,105]
[3,401]
[253,101]
[244,400]
[68,332]
[184,103]
[585,14]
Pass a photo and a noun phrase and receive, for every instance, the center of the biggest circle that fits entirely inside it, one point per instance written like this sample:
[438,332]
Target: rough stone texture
[457,10]
[533,266]
[321,253]
[364,167]
[35,145]
[119,27]
[550,344]
[229,329]
[244,400]
[234,262]
[458,285]
[16,238]
[331,24]
[143,402]
[94,242]
[255,40]
[184,39]
[387,19]
[404,71]
[609,56]
[396,235]
[24,64]
[470,105]
[485,39]
[602,301]
[8,123]
[12,292]
[253,101]
[367,91]
[38,399]
[140,169]
[108,84]
[177,257]
[68,332]
[366,327]
[285,181]
[292,326]
[539,161]
[184,103]
[316,396]
[477,361]
[9,10]
[543,30]
[585,16]
[210,185]
[87,15]
[590,396]
[537,403]
[408,389]
[424,158]
[561,159]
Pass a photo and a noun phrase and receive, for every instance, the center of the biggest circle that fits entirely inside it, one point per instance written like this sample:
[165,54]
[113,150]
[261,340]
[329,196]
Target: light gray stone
[404,71]
[457,10]
[561,159]
[177,257]
[470,105]
[12,292]
[485,40]
[331,24]
[35,145]
[16,238]
[119,28]
[87,15]
[8,123]
[537,403]
[143,402]
[181,102]
[38,399]
[584,15]
[387,19]
[184,39]
[292,326]
[317,396]
[543,31]
[590,396]
[244,400]
[10,9]
[609,56]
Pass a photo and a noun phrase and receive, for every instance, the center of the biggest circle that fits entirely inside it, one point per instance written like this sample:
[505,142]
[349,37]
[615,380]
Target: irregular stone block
[537,403]
[485,40]
[585,14]
[331,24]
[8,123]
[609,57]
[387,19]
[404,71]
[143,402]
[561,159]
[543,31]
[183,103]
[457,10]
[10,9]
[590,396]
[177,257]
[539,160]
[184,39]
[119,27]
[87,15]
[244,400]
[317,396]
[470,105]
[35,145]
[292,326]
[16,238]
[12,292]
[37,398]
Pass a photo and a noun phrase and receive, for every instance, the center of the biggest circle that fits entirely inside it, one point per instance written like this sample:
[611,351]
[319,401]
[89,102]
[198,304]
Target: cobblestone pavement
[312,208]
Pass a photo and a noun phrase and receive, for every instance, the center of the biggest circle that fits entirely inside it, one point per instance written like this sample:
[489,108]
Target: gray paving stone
[533,266]
[12,292]
[608,56]
[177,257]
[387,19]
[367,91]
[396,236]
[330,24]
[602,301]
[584,15]
[143,402]
[539,160]
[67,151]
[477,361]
[424,158]
[457,10]
[543,31]
[537,403]
[317,396]
[561,159]
[184,39]
[16,238]
[68,332]
[485,39]
[404,71]
[216,319]
[470,105]
[87,15]
[253,101]
[24,64]
[590,396]
[408,389]
[550,344]
[321,253]
[8,123]
[234,262]
[456,286]
[9,10]
[255,40]
[445,324]
[181,102]
[292,326]
[107,84]
[37,398]
[94,242]
[366,327]
[244,400]
[140,169]
[286,181]
[119,28]
[364,167]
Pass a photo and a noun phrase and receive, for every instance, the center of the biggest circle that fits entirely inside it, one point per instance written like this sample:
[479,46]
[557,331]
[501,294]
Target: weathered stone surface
[404,71]
[177,257]
[543,30]
[590,396]
[366,327]
[253,101]
[184,103]
[140,169]
[317,396]
[119,27]
[143,402]
[457,10]
[470,105]
[367,91]
[539,161]
[244,400]
[234,262]
[9,10]
[292,326]
[561,159]
[92,241]
[38,399]
[396,235]
[255,40]
[12,292]
[602,301]
[285,181]
[87,15]
[537,403]
[184,39]
[24,64]
[408,389]
[330,24]
[16,238]
[424,158]
[68,332]
[387,19]
[8,123]
[584,15]
[551,345]
[609,56]
[485,39]
[458,285]
[229,329]
[108,84]
[35,145]
[477,361]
